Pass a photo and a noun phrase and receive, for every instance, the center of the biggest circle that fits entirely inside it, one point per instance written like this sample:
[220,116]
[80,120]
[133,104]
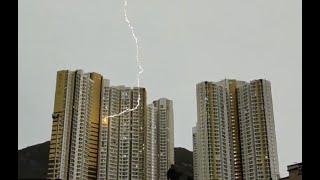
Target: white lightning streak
[140,69]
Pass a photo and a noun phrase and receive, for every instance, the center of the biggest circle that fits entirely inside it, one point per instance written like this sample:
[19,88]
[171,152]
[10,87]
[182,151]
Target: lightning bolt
[138,61]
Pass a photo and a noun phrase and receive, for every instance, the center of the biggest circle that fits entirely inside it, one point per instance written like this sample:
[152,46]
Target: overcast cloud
[183,42]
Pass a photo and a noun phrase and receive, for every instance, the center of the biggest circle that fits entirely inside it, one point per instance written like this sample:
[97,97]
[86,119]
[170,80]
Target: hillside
[33,160]
[184,159]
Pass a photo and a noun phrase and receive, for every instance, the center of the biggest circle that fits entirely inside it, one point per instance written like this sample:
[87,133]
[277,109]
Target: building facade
[86,143]
[235,133]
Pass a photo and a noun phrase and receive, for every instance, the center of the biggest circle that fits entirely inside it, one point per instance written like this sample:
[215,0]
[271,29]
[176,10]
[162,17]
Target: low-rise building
[295,172]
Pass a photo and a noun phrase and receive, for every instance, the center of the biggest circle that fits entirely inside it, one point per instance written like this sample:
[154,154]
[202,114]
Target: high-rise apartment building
[152,145]
[234,137]
[160,138]
[123,140]
[258,138]
[86,143]
[73,145]
[213,145]
[231,106]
